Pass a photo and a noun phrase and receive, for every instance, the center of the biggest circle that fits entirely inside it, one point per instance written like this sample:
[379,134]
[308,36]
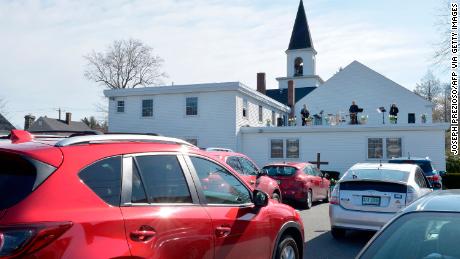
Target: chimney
[261,83]
[68,118]
[29,120]
[291,97]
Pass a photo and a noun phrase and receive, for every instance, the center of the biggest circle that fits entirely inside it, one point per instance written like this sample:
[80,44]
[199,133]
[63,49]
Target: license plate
[370,200]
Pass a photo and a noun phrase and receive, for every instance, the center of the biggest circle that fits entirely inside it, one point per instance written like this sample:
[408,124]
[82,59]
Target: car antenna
[408,155]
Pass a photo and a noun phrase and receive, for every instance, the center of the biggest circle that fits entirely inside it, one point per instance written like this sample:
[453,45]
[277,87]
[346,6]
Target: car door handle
[145,233]
[252,182]
[223,231]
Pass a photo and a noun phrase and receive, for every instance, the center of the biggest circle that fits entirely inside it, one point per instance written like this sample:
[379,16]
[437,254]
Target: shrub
[451,181]
[453,164]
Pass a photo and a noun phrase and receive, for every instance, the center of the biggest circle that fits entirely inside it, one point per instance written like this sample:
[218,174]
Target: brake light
[26,239]
[410,195]
[435,178]
[335,195]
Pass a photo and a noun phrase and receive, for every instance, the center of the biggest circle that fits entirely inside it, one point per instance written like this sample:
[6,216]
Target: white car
[369,195]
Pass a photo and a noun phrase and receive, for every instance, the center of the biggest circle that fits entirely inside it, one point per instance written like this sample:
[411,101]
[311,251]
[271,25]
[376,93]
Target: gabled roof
[5,125]
[49,124]
[281,95]
[300,37]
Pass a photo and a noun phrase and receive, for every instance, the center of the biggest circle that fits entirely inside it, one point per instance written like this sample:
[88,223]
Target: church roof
[300,37]
[5,125]
[281,95]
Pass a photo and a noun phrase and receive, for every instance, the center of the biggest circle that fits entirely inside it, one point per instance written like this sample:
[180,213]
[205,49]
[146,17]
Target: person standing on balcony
[354,109]
[305,114]
[394,113]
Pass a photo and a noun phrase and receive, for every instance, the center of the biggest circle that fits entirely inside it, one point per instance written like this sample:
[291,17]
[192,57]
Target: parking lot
[319,242]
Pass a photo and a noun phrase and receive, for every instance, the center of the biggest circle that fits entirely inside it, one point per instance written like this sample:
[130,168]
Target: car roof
[443,201]
[411,158]
[223,154]
[384,166]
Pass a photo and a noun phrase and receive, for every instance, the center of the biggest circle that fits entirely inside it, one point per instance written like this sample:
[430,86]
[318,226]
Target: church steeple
[300,37]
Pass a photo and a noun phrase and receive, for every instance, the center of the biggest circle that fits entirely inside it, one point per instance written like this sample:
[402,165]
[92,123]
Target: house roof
[49,124]
[281,95]
[300,37]
[5,125]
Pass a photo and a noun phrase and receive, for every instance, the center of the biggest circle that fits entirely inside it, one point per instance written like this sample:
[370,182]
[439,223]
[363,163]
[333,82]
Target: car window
[138,194]
[219,185]
[234,163]
[248,167]
[420,179]
[163,179]
[423,164]
[104,179]
[377,174]
[276,170]
[418,235]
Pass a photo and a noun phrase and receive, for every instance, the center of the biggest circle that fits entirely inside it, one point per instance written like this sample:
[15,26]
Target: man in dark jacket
[394,112]
[305,114]
[354,109]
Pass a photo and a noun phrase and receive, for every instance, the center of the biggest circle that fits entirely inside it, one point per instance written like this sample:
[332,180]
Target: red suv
[301,182]
[132,196]
[248,170]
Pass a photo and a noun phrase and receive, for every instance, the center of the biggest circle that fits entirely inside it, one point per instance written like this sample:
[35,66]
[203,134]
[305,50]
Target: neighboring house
[5,126]
[215,115]
[49,124]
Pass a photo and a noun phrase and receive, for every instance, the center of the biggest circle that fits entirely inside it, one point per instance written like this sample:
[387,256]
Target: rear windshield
[376,174]
[280,170]
[19,176]
[425,165]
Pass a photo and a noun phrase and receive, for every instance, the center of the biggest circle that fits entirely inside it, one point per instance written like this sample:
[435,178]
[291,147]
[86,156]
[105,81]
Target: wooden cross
[318,162]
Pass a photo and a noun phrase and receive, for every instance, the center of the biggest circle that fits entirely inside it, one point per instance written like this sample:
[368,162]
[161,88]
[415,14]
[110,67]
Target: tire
[309,200]
[277,197]
[338,233]
[287,249]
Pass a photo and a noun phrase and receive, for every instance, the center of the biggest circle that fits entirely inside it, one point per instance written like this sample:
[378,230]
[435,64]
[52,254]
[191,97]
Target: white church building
[256,121]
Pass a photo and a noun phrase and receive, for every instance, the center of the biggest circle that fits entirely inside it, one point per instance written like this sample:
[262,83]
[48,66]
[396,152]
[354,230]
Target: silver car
[368,195]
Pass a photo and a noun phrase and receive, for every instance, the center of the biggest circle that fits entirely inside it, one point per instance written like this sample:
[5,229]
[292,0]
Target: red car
[249,171]
[132,196]
[301,182]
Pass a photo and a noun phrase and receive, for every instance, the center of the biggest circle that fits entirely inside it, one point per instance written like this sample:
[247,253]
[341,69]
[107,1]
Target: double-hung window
[147,108]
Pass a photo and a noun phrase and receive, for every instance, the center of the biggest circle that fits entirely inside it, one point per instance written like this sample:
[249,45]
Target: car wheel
[338,233]
[287,249]
[276,196]
[309,200]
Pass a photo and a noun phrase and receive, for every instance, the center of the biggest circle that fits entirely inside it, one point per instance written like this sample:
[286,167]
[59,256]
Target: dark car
[133,196]
[428,229]
[434,176]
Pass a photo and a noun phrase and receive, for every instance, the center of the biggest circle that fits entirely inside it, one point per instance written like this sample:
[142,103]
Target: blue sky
[42,43]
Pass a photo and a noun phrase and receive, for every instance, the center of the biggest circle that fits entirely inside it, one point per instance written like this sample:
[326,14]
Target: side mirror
[262,172]
[260,198]
[442,173]
[326,175]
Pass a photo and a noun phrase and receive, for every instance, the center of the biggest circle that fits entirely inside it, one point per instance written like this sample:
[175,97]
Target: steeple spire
[300,37]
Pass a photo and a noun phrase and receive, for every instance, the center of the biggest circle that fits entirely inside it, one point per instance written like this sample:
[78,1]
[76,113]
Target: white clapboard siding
[346,145]
[370,90]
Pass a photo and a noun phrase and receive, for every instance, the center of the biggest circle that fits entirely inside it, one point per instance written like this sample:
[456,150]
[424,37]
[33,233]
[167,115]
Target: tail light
[335,195]
[435,178]
[26,239]
[410,195]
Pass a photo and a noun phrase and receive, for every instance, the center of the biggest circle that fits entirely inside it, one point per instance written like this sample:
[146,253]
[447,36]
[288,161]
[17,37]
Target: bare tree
[442,46]
[94,124]
[429,87]
[125,64]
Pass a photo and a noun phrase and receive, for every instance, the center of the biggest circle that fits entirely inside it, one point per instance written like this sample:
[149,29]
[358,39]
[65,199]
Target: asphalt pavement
[319,242]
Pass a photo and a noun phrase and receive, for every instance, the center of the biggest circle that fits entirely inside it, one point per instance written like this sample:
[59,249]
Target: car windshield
[275,170]
[376,174]
[420,235]
[425,165]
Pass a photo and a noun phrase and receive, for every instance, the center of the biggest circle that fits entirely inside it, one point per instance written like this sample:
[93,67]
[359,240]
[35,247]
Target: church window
[394,147]
[261,113]
[292,148]
[375,148]
[191,106]
[411,118]
[276,148]
[245,108]
[298,66]
[120,106]
[147,108]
